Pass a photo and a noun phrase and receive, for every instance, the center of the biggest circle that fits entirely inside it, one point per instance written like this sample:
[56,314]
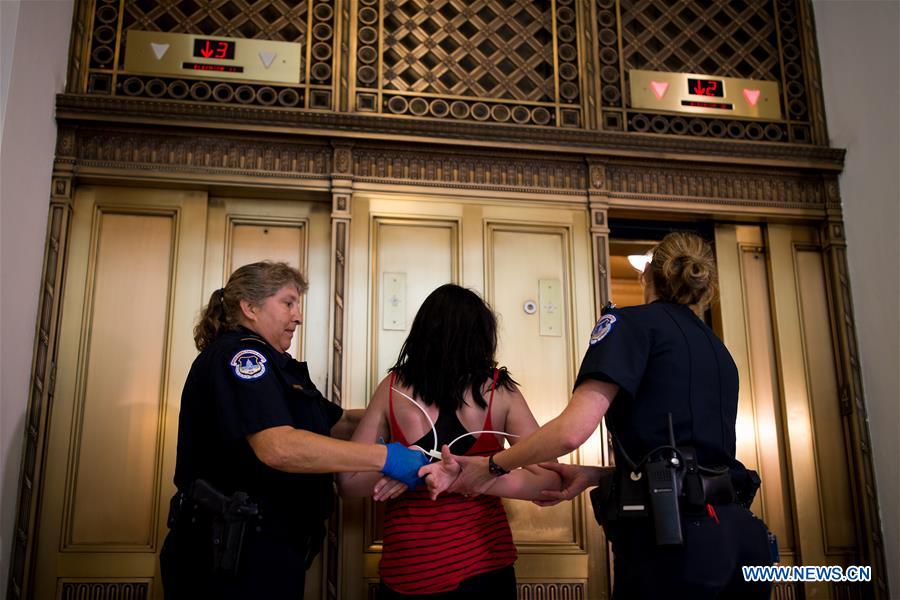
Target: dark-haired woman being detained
[457,545]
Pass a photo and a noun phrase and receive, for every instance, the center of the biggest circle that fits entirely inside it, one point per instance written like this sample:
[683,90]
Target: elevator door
[776,321]
[141,265]
[532,264]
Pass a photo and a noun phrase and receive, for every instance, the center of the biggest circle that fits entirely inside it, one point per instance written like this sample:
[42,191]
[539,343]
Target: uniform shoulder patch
[603,327]
[248,364]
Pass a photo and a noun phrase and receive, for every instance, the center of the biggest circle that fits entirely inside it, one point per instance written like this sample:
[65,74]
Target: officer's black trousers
[271,567]
[707,566]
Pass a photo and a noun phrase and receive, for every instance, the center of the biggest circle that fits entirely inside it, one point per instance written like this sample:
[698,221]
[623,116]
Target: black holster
[602,499]
[227,517]
[746,483]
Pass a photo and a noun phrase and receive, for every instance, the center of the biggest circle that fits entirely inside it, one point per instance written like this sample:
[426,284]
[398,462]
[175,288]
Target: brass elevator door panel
[133,283]
[142,263]
[532,264]
[777,324]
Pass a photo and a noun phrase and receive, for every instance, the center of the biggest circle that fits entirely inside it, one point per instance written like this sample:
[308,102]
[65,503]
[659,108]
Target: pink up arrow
[751,96]
[659,88]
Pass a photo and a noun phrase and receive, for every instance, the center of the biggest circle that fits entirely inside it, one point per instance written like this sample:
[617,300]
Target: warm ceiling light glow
[639,261]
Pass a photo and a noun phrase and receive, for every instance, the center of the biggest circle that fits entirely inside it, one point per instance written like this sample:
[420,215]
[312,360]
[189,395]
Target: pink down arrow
[751,96]
[659,88]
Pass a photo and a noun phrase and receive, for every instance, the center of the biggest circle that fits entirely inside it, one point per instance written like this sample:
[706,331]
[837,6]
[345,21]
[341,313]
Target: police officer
[255,449]
[646,367]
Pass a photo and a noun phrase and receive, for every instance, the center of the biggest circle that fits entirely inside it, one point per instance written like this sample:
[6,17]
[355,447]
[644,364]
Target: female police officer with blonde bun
[255,449]
[676,513]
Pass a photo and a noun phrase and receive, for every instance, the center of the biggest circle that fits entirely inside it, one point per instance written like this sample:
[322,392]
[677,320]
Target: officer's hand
[439,476]
[574,480]
[403,464]
[474,477]
[388,489]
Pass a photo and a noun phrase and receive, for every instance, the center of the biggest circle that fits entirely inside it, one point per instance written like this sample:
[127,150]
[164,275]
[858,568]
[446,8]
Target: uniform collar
[281,358]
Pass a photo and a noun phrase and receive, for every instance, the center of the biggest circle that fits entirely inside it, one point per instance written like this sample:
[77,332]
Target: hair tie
[221,292]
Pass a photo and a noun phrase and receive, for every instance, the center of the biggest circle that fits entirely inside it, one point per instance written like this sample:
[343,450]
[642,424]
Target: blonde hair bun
[683,270]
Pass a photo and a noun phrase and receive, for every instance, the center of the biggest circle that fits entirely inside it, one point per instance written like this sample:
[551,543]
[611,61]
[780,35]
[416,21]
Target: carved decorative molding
[209,155]
[41,389]
[853,407]
[786,591]
[343,159]
[332,125]
[340,275]
[434,166]
[104,590]
[744,188]
[552,591]
[469,170]
[528,591]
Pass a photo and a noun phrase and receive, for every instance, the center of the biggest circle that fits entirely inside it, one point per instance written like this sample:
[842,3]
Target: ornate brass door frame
[91,153]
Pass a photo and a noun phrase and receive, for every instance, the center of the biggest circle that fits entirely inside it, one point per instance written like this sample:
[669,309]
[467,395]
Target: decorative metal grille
[282,20]
[728,39]
[521,62]
[296,21]
[480,48]
[711,37]
[483,60]
[794,76]
[610,65]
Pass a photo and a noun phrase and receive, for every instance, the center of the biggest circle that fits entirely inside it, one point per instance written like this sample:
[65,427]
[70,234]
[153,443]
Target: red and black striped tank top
[432,546]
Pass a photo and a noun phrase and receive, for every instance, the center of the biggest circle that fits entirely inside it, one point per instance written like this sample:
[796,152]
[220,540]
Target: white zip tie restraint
[432,453]
[435,453]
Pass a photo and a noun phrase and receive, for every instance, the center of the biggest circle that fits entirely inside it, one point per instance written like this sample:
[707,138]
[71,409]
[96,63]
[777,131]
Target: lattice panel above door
[556,63]
[283,20]
[482,60]
[750,39]
[306,22]
[729,39]
[483,49]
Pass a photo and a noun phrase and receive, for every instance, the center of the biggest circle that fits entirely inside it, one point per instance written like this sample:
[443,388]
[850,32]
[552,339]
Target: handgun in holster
[229,523]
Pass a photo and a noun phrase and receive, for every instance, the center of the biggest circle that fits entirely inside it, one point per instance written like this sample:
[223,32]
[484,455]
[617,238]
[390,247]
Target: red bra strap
[487,419]
[396,433]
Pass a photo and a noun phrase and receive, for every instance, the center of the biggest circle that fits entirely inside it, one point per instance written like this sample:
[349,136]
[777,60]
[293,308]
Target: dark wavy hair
[451,347]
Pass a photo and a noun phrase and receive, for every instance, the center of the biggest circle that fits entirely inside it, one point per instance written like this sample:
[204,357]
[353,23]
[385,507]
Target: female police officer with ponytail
[676,513]
[256,449]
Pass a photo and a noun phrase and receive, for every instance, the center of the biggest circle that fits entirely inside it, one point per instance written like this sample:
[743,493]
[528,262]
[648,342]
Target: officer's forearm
[343,429]
[354,484]
[299,451]
[525,484]
[566,432]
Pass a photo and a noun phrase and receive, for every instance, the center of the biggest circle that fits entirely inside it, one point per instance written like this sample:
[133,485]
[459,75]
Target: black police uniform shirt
[237,386]
[666,360]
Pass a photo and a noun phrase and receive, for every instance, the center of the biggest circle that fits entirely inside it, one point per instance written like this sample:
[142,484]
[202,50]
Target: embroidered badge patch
[603,326]
[249,364]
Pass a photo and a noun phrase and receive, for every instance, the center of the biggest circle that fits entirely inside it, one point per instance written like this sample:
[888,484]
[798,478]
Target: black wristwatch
[495,469]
